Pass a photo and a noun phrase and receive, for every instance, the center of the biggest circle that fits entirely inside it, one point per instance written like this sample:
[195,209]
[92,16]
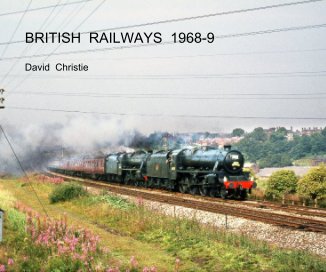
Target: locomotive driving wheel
[192,181]
[223,192]
[127,179]
[212,192]
[203,191]
[183,186]
[193,190]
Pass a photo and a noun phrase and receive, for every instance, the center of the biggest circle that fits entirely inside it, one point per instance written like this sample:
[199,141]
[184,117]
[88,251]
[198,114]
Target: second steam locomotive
[206,170]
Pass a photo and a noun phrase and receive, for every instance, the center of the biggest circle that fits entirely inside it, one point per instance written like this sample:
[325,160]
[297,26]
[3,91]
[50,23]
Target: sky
[245,81]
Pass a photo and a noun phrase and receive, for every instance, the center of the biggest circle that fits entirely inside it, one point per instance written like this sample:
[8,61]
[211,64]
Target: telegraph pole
[2,106]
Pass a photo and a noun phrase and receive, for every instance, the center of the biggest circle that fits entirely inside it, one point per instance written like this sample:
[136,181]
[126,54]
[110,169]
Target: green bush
[313,184]
[281,182]
[66,191]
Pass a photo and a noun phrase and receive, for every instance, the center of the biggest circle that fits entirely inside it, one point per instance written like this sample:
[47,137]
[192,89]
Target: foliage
[208,249]
[313,184]
[66,191]
[193,246]
[115,201]
[238,132]
[281,182]
[274,150]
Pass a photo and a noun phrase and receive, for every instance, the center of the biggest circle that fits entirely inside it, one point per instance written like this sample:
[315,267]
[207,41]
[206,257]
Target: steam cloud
[37,145]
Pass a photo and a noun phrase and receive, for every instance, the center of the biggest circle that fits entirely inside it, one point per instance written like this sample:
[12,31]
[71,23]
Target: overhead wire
[22,169]
[58,11]
[168,115]
[165,93]
[174,97]
[320,73]
[253,33]
[58,46]
[174,20]
[29,45]
[210,55]
[15,30]
[66,21]
[41,8]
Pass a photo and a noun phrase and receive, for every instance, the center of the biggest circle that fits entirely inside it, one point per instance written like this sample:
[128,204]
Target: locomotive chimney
[227,147]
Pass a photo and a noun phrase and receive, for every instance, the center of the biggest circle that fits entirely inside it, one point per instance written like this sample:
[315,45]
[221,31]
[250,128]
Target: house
[298,170]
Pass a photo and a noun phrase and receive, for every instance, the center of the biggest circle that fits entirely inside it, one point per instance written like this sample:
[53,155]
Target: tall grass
[195,247]
[205,246]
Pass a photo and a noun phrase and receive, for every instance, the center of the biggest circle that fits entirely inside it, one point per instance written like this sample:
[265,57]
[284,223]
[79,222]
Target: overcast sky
[269,75]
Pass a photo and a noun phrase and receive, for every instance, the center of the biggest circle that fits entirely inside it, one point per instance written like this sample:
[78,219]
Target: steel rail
[289,221]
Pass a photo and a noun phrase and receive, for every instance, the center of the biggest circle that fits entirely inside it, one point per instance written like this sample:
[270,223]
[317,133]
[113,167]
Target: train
[207,171]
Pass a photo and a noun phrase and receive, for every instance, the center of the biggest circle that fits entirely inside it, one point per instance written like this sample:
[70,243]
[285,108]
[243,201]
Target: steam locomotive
[207,171]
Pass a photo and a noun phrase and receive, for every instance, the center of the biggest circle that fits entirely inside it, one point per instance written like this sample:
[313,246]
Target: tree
[323,132]
[259,134]
[282,130]
[313,184]
[281,182]
[238,132]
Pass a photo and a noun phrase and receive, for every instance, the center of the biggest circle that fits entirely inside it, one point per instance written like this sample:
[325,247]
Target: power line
[28,46]
[174,20]
[254,33]
[41,8]
[213,55]
[321,73]
[71,16]
[175,96]
[58,11]
[17,26]
[65,22]
[170,115]
[175,92]
[79,25]
[23,170]
[206,16]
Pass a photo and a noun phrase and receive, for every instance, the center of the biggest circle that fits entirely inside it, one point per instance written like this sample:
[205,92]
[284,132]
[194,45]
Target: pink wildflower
[140,201]
[177,264]
[2,268]
[113,269]
[133,262]
[10,261]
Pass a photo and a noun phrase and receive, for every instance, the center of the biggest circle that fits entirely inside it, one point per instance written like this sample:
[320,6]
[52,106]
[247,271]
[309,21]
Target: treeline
[275,150]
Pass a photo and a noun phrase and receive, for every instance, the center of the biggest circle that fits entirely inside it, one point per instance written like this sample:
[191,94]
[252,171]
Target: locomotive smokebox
[233,161]
[200,158]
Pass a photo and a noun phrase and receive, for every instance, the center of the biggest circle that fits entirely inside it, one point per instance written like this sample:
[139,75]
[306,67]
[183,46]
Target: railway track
[216,206]
[301,210]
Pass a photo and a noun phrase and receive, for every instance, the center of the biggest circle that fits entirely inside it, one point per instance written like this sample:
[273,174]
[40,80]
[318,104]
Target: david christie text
[61,67]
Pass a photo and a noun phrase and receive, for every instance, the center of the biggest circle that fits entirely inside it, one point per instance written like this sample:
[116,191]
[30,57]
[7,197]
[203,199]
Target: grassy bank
[129,229]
